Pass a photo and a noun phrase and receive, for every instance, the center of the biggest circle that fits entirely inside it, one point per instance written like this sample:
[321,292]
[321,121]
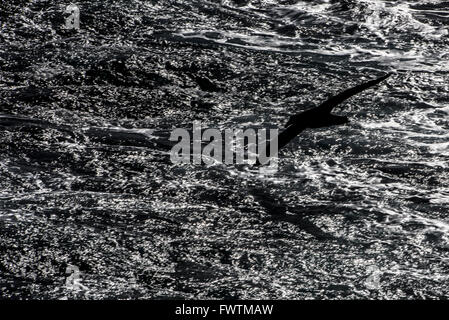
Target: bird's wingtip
[389,74]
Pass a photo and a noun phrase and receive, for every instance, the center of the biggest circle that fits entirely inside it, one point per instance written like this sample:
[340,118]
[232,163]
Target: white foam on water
[378,18]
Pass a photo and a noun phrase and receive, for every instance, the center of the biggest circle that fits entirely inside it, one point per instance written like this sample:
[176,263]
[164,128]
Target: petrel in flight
[321,116]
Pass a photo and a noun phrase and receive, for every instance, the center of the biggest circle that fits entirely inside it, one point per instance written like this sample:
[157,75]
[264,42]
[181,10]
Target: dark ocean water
[86,183]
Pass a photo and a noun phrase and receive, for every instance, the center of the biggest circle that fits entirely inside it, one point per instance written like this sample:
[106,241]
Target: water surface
[358,211]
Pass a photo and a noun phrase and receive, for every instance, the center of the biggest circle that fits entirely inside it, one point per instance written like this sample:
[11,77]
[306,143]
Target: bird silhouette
[321,116]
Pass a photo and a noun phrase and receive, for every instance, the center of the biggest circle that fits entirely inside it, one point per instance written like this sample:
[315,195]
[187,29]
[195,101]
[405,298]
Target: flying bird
[321,116]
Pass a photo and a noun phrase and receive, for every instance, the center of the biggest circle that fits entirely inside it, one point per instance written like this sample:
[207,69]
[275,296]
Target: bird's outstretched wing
[330,103]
